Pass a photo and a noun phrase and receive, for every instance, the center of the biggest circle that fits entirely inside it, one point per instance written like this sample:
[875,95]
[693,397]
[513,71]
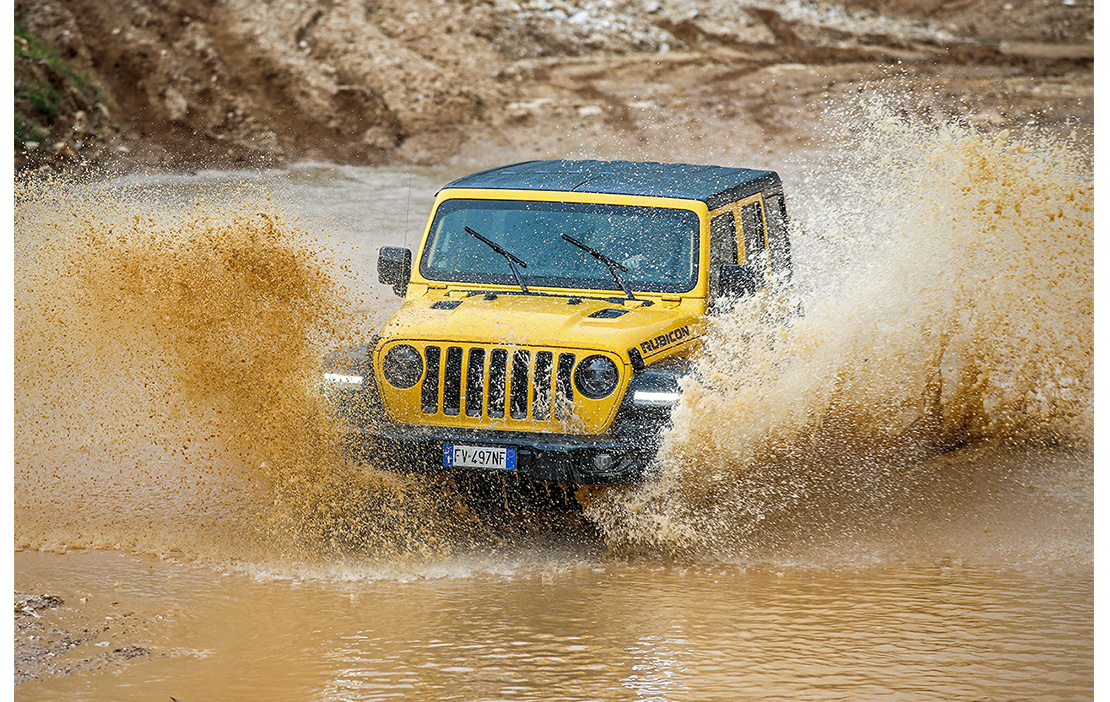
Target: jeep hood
[539,320]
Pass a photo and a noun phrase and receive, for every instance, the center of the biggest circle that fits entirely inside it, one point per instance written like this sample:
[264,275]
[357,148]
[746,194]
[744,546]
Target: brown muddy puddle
[573,630]
[874,502]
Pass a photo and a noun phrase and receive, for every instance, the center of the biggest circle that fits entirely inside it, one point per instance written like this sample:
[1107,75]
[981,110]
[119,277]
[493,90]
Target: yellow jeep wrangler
[551,311]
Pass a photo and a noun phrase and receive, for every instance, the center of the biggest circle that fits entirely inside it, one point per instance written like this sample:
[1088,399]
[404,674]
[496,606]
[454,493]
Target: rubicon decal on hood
[652,346]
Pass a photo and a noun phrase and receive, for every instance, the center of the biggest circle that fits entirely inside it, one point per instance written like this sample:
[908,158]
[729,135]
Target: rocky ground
[46,629]
[186,84]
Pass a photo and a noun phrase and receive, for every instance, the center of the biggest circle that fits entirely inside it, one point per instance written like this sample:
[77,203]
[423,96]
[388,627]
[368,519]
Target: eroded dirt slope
[235,83]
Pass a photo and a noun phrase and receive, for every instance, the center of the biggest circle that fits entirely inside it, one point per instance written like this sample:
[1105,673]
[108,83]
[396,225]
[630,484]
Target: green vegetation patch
[48,90]
[28,47]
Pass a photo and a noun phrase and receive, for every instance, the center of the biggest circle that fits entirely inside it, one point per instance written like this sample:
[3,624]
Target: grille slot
[498,361]
[452,380]
[541,386]
[429,391]
[518,397]
[564,385]
[475,374]
[455,382]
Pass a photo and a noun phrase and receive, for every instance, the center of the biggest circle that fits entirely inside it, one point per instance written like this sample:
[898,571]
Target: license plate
[479,457]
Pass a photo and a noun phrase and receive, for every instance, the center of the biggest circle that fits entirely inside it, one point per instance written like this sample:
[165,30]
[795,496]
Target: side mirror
[394,268]
[740,281]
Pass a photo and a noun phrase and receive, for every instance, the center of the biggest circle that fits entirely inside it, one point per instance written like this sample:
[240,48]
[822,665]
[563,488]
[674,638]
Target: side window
[722,247]
[751,218]
[778,239]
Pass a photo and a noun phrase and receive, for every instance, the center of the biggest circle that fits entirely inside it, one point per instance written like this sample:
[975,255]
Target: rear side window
[751,218]
[722,246]
[777,238]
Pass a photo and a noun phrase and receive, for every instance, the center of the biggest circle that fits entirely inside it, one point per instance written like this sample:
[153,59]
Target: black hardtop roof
[713,185]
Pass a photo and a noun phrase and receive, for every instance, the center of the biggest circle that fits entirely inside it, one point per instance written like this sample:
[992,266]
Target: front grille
[477,382]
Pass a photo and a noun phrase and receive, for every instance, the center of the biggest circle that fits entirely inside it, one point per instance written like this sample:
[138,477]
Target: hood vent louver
[608,313]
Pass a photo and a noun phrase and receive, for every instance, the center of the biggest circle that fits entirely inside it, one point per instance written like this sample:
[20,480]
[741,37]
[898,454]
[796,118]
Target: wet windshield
[657,245]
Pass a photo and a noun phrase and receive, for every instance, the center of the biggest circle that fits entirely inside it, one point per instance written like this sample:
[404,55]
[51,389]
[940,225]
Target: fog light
[343,379]
[603,461]
[655,399]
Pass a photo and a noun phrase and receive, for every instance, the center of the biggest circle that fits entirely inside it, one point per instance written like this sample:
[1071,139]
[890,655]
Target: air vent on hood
[608,313]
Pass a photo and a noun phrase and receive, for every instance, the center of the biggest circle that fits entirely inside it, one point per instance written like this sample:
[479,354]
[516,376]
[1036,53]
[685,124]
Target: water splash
[167,361]
[954,308]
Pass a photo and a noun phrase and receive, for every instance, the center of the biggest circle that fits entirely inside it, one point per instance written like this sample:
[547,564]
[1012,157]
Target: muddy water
[580,629]
[890,497]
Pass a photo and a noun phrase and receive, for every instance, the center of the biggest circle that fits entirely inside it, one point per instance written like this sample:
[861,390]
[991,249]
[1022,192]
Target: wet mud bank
[189,85]
[53,640]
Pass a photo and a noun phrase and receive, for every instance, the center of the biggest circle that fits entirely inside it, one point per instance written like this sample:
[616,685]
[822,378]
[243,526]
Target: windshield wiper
[513,260]
[614,267]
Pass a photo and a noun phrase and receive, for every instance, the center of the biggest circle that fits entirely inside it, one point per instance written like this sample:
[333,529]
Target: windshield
[658,246]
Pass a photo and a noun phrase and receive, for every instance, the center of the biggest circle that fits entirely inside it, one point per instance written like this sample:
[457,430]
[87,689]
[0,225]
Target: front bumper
[621,456]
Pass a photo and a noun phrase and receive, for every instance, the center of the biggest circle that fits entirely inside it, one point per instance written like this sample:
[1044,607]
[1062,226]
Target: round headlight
[596,377]
[402,366]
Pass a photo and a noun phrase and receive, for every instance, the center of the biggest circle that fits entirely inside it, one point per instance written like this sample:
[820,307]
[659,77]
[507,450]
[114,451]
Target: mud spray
[167,398]
[954,309]
[167,356]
